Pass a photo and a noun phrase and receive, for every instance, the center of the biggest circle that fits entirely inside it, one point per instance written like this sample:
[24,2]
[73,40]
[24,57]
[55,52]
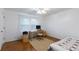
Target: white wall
[63,24]
[12,31]
[11,26]
[1,28]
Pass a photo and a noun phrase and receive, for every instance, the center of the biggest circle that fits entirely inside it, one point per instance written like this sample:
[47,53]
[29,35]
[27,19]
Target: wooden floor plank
[17,46]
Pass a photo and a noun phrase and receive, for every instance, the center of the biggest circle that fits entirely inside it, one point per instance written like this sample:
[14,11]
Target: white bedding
[67,44]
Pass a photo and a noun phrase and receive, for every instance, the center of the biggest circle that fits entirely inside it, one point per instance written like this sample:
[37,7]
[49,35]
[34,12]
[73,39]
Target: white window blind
[28,23]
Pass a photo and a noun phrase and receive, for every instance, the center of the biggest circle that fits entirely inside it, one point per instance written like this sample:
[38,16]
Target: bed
[66,44]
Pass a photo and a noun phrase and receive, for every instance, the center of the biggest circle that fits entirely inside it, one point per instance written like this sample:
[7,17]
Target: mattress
[66,44]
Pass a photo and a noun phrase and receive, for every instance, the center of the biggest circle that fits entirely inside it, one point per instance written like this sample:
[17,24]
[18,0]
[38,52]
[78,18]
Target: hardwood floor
[17,46]
[34,45]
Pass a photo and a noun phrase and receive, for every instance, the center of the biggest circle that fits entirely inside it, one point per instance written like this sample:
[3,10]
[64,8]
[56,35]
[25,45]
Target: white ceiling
[29,11]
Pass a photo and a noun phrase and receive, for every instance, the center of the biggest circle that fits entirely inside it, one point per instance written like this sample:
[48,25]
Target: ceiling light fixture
[41,10]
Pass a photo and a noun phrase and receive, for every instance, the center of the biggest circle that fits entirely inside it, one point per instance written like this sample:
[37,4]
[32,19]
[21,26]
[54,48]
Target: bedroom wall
[1,27]
[11,26]
[63,24]
[12,31]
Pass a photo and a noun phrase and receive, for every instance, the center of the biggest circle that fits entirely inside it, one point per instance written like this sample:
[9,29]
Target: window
[34,22]
[27,23]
